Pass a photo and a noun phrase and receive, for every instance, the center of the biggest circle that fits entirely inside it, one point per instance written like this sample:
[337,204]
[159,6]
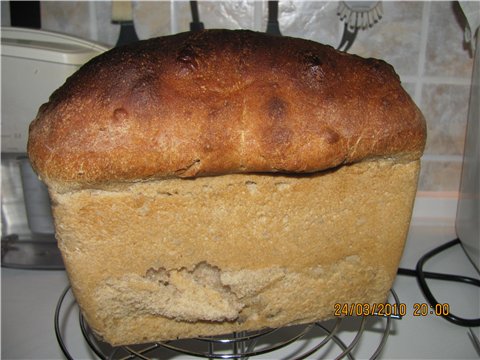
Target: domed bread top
[217,102]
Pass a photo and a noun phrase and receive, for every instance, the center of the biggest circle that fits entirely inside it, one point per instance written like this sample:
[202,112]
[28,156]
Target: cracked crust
[218,102]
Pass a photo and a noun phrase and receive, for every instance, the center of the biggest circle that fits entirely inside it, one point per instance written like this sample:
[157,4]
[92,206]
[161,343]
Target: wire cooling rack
[335,339]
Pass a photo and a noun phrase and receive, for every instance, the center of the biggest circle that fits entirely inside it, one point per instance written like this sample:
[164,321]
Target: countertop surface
[29,299]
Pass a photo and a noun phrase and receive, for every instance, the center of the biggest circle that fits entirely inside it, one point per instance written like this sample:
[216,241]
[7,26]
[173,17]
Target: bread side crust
[221,101]
[262,250]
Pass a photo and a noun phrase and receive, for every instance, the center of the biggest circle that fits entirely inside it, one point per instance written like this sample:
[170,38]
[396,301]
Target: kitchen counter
[29,299]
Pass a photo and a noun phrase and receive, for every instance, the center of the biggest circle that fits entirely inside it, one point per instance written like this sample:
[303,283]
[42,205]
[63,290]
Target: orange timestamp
[359,309]
[423,309]
[396,309]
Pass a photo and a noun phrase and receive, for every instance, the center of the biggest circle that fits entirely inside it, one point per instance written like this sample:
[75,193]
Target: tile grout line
[447,80]
[442,158]
[258,15]
[92,14]
[423,52]
[173,17]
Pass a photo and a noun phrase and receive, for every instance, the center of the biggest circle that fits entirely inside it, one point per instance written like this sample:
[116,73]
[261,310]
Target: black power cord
[196,24]
[422,275]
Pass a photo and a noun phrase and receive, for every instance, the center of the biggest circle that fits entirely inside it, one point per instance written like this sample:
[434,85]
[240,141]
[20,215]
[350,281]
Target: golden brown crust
[218,102]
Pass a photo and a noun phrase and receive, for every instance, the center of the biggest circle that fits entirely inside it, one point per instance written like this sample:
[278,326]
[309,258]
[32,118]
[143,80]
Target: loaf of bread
[219,181]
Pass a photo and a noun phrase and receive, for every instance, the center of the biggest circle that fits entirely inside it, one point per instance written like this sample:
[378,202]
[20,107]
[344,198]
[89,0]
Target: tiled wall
[422,40]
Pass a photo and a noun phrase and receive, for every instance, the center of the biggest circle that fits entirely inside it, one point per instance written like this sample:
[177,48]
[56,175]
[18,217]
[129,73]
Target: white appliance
[34,64]
[468,211]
